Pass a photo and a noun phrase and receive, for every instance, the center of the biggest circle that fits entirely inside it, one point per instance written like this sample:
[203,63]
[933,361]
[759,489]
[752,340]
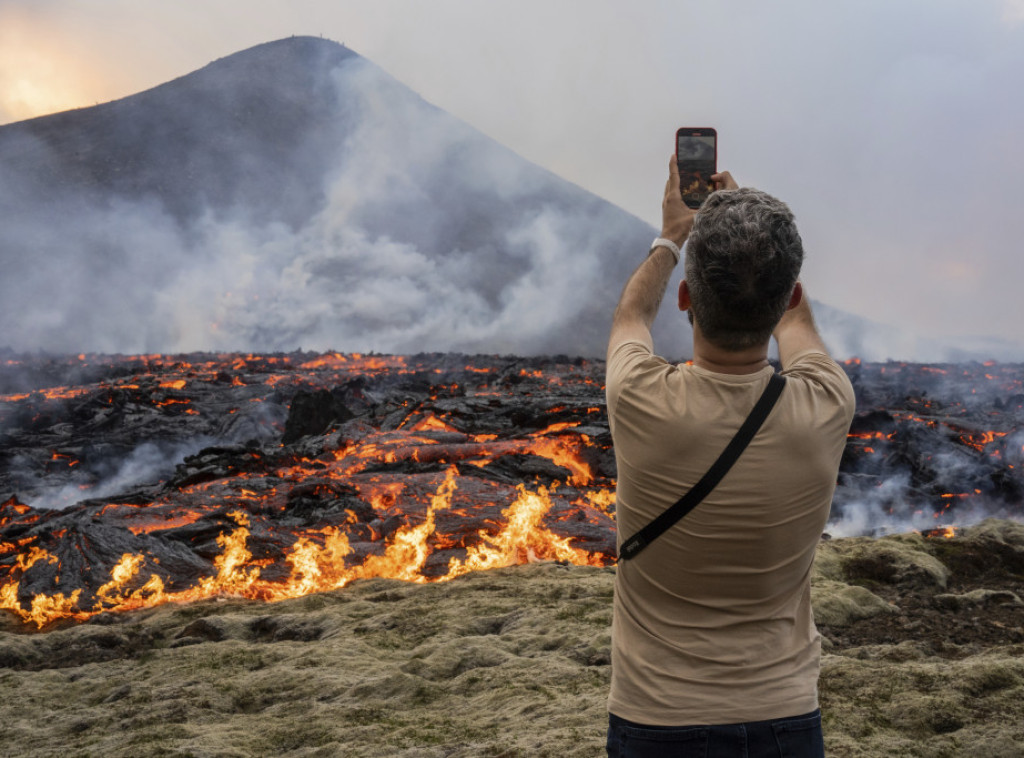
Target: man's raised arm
[642,294]
[796,332]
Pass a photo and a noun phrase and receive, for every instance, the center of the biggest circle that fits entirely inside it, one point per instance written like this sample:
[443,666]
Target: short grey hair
[743,258]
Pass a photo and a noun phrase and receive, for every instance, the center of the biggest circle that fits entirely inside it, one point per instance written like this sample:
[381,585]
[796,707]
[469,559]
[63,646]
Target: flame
[405,556]
[25,561]
[523,540]
[357,362]
[946,532]
[233,577]
[123,572]
[64,457]
[602,499]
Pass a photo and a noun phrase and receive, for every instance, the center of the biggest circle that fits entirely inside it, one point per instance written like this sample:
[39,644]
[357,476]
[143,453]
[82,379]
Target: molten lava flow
[564,451]
[423,468]
[869,436]
[357,362]
[431,423]
[980,440]
[319,561]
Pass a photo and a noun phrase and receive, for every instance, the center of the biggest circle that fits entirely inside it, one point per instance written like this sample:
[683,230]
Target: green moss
[990,676]
[838,604]
[508,663]
[903,560]
[280,739]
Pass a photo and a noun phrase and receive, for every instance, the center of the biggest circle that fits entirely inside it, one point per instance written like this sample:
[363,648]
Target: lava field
[130,481]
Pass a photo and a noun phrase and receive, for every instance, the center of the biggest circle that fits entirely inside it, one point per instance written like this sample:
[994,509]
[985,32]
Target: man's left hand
[723,181]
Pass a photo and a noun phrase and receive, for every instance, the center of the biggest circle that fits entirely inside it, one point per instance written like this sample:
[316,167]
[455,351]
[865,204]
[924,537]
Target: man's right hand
[676,217]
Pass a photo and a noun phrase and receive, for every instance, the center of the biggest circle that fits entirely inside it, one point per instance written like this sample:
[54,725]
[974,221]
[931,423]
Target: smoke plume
[365,220]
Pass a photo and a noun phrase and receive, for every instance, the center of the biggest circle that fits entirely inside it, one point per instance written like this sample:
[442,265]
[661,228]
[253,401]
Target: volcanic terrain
[272,476]
[144,496]
[299,552]
[922,638]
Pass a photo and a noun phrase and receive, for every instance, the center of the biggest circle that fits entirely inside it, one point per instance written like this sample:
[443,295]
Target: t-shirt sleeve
[826,380]
[626,360]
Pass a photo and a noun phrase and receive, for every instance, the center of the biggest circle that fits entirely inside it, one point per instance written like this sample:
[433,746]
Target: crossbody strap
[632,547]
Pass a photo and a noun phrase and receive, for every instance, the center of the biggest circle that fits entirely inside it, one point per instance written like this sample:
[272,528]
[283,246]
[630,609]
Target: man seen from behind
[714,648]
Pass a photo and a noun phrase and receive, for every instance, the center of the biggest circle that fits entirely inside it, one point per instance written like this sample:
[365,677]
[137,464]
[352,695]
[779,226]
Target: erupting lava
[375,481]
[302,473]
[317,562]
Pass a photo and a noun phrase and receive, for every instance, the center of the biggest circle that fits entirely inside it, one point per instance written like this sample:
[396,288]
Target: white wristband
[662,242]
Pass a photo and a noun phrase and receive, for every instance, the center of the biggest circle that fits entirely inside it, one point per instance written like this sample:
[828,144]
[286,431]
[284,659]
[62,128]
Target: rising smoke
[413,232]
[295,195]
[148,463]
[386,225]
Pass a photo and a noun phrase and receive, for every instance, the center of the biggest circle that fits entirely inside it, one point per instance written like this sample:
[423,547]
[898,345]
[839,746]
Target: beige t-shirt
[712,621]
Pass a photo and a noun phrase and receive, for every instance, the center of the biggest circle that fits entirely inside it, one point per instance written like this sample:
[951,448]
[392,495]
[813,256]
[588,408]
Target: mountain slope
[242,131]
[295,195]
[290,195]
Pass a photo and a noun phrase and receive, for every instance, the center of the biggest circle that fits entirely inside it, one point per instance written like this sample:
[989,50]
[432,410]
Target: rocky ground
[923,637]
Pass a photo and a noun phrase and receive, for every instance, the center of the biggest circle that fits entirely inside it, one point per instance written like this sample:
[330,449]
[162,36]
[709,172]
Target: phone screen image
[696,154]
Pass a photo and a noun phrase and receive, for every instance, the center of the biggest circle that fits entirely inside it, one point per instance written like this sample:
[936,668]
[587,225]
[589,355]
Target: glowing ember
[946,532]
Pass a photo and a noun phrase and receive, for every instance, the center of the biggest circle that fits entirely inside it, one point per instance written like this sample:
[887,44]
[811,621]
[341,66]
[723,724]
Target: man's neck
[713,358]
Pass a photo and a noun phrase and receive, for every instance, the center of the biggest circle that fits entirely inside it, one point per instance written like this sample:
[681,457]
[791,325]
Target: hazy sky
[893,128]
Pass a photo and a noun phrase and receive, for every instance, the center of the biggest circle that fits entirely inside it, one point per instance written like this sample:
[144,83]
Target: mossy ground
[924,657]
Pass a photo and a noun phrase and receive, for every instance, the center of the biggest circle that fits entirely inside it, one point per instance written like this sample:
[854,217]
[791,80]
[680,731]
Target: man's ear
[796,297]
[684,296]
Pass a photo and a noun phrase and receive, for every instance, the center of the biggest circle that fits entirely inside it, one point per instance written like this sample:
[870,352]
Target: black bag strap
[632,547]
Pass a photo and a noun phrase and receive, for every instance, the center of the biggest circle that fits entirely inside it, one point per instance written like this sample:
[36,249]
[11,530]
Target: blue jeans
[790,737]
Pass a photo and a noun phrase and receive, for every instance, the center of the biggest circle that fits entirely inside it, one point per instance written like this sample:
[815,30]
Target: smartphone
[697,157]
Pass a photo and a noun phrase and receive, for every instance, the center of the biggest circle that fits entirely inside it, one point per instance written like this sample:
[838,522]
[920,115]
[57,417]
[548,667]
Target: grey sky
[893,128]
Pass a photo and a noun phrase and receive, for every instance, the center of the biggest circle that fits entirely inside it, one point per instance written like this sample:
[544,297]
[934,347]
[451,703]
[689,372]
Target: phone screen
[696,154]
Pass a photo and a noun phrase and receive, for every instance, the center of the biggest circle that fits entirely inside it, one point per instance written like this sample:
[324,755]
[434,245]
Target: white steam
[148,463]
[431,237]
